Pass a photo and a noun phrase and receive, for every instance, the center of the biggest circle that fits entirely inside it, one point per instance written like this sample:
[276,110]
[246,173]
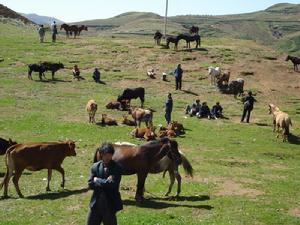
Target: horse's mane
[157,142]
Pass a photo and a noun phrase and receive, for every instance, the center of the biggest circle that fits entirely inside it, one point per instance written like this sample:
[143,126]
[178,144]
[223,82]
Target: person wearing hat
[105,182]
[248,102]
[178,76]
[96,75]
[216,111]
[168,108]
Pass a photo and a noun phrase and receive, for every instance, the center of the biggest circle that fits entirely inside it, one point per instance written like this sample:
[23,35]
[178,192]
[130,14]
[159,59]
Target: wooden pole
[166,16]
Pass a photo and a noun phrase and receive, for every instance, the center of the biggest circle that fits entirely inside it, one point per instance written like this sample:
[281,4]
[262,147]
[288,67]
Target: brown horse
[295,61]
[66,27]
[141,159]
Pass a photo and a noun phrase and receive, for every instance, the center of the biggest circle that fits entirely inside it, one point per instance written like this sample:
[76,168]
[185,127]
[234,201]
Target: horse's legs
[139,196]
[172,180]
[53,72]
[178,178]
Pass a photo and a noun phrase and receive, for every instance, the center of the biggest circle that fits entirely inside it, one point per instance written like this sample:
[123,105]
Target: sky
[79,10]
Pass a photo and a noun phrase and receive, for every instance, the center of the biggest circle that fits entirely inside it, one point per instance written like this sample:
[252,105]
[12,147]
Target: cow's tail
[6,176]
[186,165]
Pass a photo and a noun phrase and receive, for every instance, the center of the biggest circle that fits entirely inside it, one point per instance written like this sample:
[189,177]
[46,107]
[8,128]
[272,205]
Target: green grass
[221,152]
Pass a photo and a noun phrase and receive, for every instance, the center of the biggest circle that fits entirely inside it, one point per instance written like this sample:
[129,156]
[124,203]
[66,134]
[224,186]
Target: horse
[43,67]
[295,61]
[194,30]
[66,27]
[190,38]
[157,37]
[172,39]
[142,159]
[280,120]
[224,79]
[81,28]
[214,73]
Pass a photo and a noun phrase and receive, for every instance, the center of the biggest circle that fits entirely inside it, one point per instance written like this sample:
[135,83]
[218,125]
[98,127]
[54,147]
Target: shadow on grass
[57,195]
[193,49]
[262,124]
[149,203]
[294,139]
[53,81]
[24,173]
[190,92]
[184,198]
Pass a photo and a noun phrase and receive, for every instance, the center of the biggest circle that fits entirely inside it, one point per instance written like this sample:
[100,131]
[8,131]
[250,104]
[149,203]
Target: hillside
[8,13]
[278,25]
[41,19]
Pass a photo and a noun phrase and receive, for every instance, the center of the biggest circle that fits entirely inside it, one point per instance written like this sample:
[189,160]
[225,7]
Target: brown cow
[36,156]
[177,127]
[139,115]
[164,132]
[108,121]
[91,108]
[127,121]
[146,133]
[4,145]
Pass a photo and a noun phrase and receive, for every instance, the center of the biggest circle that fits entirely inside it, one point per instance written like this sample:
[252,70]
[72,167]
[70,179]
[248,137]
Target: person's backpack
[247,104]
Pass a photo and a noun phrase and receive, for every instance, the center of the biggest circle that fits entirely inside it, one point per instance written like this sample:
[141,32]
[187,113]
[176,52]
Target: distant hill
[8,13]
[41,19]
[278,25]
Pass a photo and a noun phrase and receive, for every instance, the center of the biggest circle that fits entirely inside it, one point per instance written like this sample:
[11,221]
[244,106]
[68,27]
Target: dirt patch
[294,212]
[231,188]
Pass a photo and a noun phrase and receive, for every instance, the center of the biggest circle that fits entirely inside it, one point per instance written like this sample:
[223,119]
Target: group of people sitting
[203,111]
[96,74]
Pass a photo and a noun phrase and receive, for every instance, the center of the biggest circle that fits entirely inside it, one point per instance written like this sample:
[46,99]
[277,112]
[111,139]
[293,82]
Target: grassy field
[243,174]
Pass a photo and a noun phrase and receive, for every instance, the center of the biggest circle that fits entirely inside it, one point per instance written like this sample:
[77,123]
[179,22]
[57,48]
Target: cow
[235,87]
[5,144]
[139,115]
[133,93]
[176,127]
[91,108]
[146,133]
[164,132]
[223,79]
[127,121]
[36,156]
[123,105]
[108,121]
[43,67]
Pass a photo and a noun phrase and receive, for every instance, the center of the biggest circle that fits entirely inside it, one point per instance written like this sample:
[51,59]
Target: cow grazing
[108,121]
[34,157]
[127,121]
[281,120]
[5,144]
[91,108]
[146,133]
[133,93]
[142,115]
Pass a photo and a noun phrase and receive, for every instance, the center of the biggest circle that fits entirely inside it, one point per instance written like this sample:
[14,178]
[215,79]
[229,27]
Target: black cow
[135,93]
[43,67]
[235,87]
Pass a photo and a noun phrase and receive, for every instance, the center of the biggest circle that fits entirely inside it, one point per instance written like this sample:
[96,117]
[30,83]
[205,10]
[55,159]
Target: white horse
[214,73]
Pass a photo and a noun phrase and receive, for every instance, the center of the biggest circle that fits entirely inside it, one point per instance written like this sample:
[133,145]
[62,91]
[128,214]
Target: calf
[36,156]
[122,105]
[4,145]
[164,132]
[127,121]
[176,127]
[145,133]
[91,108]
[108,121]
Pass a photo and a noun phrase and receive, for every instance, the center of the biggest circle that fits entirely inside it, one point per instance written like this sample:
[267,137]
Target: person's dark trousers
[101,213]
[248,112]
[53,37]
[168,117]
[178,81]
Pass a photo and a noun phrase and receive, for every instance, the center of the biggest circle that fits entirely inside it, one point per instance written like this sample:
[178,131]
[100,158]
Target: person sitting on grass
[216,111]
[194,109]
[76,73]
[204,112]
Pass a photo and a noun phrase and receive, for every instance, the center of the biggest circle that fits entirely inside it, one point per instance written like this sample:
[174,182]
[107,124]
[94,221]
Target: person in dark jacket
[178,77]
[216,111]
[205,111]
[105,182]
[168,108]
[96,75]
[248,106]
[54,31]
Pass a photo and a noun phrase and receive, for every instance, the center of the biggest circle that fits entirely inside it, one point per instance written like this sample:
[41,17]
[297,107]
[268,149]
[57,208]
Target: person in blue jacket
[178,77]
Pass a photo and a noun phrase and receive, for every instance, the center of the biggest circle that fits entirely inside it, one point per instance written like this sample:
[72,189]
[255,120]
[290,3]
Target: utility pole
[166,16]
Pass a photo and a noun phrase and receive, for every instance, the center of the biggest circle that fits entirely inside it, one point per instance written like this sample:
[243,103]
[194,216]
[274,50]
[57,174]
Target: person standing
[168,108]
[41,32]
[178,77]
[54,31]
[248,106]
[105,182]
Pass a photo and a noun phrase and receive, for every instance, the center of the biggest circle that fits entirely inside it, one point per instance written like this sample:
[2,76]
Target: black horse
[190,38]
[295,61]
[43,67]
[157,37]
[172,39]
[133,93]
[194,30]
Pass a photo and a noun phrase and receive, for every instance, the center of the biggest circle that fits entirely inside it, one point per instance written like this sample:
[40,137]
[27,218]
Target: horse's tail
[287,124]
[186,165]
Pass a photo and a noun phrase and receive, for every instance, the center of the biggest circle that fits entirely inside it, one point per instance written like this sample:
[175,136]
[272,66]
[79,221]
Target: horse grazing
[43,67]
[190,38]
[295,61]
[132,93]
[214,74]
[172,39]
[280,120]
[5,144]
[91,108]
[142,159]
[194,30]
[157,37]
[66,27]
